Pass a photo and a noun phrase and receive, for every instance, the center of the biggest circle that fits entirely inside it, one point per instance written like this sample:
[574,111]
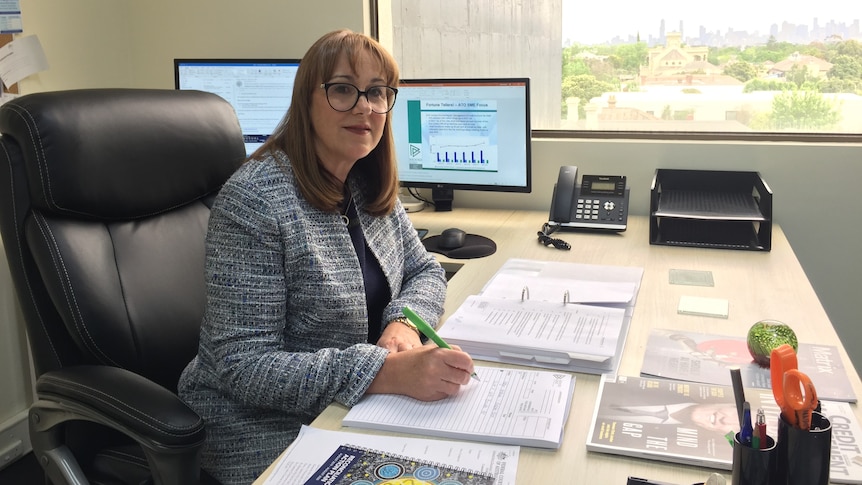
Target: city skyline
[588,23]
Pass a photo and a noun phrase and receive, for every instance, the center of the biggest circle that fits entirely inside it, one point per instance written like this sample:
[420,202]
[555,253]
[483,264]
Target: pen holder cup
[753,466]
[803,455]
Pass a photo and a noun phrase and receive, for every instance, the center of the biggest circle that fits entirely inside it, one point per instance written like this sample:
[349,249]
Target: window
[648,67]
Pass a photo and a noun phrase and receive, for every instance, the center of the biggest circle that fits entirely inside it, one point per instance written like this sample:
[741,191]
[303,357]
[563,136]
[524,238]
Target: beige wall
[126,43]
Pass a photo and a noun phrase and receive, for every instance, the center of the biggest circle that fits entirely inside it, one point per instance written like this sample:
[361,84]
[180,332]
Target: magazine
[700,357]
[351,465]
[691,423]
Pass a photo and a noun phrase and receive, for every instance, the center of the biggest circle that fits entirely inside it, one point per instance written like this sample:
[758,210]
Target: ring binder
[525,292]
[566,297]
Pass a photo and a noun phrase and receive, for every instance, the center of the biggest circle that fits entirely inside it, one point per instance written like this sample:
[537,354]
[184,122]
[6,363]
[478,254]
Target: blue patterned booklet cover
[701,357]
[353,465]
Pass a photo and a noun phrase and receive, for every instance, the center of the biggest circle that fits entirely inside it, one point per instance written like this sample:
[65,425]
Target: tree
[758,84]
[840,86]
[572,64]
[845,67]
[803,111]
[632,57]
[744,71]
[852,48]
[799,75]
[585,87]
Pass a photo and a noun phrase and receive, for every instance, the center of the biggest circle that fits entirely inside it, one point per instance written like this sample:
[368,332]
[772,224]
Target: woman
[310,259]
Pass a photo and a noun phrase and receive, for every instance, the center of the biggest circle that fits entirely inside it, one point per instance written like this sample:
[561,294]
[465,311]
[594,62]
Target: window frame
[763,136]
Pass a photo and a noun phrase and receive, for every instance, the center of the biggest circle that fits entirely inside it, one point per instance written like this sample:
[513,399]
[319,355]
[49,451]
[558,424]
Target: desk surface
[758,285]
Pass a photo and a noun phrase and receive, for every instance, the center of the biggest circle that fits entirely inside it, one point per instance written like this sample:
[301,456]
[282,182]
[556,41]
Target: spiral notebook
[351,465]
[313,452]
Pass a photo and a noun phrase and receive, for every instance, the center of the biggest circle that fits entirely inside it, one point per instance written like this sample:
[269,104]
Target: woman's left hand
[397,337]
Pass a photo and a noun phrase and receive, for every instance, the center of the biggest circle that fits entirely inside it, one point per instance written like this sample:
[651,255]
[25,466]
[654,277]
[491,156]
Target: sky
[587,21]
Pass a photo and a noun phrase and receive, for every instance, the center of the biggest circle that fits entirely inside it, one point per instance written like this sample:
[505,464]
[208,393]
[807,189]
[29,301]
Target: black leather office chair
[104,200]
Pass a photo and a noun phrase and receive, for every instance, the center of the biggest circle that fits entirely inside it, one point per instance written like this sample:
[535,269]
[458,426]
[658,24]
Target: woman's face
[342,138]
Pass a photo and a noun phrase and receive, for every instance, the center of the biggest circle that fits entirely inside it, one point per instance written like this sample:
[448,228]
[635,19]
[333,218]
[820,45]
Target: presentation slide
[467,132]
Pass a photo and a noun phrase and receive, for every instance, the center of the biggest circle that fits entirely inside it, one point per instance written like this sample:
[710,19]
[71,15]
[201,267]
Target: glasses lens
[342,97]
[381,98]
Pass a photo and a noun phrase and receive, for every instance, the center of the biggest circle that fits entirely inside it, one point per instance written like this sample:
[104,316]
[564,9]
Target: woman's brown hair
[295,133]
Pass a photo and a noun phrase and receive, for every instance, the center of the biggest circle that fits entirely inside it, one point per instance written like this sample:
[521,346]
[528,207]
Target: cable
[415,194]
[546,239]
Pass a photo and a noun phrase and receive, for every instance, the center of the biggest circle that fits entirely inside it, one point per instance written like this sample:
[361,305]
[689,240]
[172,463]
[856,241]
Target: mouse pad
[475,246]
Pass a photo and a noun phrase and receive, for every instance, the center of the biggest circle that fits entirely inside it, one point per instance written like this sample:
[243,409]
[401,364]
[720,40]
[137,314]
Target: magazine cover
[700,357]
[353,465]
[689,422]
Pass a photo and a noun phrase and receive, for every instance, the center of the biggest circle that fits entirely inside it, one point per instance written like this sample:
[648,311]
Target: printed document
[565,316]
[510,406]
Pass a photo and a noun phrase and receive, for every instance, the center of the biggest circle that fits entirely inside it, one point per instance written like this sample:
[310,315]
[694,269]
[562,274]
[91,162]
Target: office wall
[126,43]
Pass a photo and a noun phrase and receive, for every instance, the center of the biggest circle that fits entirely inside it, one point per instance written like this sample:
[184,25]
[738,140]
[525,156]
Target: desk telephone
[599,202]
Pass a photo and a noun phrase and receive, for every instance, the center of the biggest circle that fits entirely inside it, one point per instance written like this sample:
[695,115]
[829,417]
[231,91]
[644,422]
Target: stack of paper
[508,406]
[565,316]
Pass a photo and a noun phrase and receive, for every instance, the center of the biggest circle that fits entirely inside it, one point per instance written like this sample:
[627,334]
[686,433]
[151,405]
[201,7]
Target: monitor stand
[442,199]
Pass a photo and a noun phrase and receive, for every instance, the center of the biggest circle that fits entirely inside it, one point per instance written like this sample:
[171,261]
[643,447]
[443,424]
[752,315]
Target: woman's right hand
[427,373]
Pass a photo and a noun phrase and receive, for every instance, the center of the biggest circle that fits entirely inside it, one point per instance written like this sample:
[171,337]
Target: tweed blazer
[285,328]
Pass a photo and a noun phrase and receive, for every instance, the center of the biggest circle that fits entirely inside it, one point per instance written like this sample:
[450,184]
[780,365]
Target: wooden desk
[758,285]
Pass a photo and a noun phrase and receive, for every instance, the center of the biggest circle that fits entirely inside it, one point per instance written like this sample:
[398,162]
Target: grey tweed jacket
[285,329]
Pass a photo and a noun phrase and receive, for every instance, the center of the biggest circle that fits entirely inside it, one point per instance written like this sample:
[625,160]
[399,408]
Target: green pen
[428,331]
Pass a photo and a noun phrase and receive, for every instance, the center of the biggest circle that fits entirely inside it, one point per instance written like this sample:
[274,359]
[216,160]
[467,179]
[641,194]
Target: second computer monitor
[259,90]
[464,134]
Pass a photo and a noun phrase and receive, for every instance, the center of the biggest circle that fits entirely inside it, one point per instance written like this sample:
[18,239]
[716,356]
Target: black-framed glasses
[344,96]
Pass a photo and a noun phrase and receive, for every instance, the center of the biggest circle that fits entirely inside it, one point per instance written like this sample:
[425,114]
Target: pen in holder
[753,466]
[803,455]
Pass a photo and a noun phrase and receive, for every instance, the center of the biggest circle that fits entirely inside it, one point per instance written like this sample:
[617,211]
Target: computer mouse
[452,238]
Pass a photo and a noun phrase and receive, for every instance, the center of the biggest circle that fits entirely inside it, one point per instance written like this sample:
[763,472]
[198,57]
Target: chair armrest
[169,432]
[126,401]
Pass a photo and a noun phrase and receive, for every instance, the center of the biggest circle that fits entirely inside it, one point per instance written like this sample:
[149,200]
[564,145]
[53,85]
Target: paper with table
[313,447]
[526,407]
[565,316]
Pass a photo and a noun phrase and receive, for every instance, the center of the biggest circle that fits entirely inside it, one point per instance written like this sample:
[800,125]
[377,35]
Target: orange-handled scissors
[793,391]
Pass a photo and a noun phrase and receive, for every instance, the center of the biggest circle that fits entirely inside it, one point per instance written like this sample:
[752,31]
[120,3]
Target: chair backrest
[104,203]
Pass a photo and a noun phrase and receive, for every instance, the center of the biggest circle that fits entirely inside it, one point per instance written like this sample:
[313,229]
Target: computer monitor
[463,134]
[258,89]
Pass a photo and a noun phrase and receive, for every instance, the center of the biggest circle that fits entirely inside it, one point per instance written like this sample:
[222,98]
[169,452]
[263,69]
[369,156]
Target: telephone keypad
[596,209]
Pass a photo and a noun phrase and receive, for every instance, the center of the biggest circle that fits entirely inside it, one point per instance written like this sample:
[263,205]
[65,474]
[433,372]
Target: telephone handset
[599,202]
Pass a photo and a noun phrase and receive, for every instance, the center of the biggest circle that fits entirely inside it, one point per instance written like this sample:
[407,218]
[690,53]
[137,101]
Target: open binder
[565,316]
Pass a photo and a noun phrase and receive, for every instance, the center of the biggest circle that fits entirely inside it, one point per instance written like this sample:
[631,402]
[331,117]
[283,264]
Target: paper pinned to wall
[10,17]
[21,58]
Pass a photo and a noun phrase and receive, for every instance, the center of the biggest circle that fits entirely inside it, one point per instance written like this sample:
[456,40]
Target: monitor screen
[258,89]
[466,134]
